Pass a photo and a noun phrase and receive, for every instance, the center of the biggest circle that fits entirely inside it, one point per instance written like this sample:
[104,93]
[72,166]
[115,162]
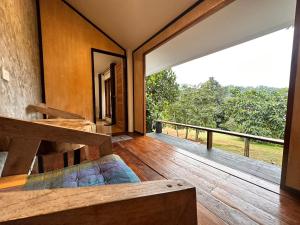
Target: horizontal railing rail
[210,131]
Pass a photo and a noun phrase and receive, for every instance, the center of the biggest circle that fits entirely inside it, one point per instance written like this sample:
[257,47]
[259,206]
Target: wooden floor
[251,166]
[224,196]
[111,130]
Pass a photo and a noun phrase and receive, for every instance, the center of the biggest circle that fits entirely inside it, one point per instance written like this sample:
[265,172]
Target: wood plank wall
[67,41]
[291,160]
[120,96]
[200,12]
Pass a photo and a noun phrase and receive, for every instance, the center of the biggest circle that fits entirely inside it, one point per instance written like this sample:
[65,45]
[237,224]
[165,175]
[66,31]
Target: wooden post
[247,147]
[186,132]
[196,135]
[209,140]
[20,156]
[176,127]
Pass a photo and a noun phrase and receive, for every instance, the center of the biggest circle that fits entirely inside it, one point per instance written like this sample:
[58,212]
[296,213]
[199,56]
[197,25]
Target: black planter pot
[158,127]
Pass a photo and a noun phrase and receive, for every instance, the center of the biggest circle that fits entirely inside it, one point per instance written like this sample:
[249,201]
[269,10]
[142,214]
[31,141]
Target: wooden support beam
[105,148]
[247,147]
[167,202]
[20,156]
[209,140]
[27,137]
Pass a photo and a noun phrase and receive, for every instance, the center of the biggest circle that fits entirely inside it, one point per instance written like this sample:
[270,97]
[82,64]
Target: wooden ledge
[154,202]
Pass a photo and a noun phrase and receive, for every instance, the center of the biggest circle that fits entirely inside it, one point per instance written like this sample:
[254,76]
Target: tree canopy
[258,111]
[161,91]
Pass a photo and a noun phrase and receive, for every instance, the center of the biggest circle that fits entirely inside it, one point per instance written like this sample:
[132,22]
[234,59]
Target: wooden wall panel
[120,96]
[139,107]
[67,42]
[200,12]
[291,160]
[293,167]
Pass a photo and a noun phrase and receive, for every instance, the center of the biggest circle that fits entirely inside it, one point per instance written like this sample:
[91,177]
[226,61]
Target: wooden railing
[210,131]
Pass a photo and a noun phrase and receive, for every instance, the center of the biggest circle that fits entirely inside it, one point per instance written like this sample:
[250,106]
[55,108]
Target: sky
[262,61]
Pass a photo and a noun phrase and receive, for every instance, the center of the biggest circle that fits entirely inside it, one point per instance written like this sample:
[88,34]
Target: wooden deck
[224,195]
[254,167]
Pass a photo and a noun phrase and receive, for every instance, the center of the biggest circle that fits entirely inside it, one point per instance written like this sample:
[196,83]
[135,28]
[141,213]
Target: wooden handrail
[232,133]
[52,112]
[210,131]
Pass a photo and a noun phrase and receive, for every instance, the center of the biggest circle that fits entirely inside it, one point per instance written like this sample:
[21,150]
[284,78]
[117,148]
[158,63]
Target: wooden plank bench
[167,202]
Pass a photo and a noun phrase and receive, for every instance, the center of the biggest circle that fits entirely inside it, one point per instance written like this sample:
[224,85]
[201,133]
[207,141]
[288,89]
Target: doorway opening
[109,92]
[225,90]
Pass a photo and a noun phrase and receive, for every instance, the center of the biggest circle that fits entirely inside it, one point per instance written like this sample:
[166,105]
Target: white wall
[96,81]
[104,77]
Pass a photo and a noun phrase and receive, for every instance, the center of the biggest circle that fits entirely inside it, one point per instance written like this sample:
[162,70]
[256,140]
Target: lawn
[270,153]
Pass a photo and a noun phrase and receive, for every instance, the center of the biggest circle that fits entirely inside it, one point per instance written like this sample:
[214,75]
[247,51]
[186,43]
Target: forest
[251,110]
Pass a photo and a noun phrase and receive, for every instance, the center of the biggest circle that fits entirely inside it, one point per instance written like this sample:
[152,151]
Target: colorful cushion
[109,169]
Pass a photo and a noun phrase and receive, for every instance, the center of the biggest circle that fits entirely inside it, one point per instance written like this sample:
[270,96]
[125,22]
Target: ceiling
[102,62]
[131,22]
[241,21]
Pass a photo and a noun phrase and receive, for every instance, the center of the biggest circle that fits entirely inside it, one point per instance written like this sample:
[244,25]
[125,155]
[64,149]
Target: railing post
[197,135]
[247,147]
[209,140]
[158,127]
[186,132]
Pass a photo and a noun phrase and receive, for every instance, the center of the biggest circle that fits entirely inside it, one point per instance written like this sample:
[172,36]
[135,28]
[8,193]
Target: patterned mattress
[110,169]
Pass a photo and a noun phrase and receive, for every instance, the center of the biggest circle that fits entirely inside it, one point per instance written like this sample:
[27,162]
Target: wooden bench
[167,202]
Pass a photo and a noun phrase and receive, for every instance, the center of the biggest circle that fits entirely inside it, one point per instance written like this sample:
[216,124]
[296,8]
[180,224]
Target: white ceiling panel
[103,61]
[238,22]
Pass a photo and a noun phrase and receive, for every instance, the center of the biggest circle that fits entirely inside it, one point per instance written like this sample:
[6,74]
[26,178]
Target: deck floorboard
[254,167]
[222,198]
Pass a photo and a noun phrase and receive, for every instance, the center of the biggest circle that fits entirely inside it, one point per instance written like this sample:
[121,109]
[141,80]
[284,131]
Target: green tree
[258,111]
[161,91]
[198,105]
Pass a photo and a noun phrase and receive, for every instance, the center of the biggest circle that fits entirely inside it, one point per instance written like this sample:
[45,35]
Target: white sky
[262,61]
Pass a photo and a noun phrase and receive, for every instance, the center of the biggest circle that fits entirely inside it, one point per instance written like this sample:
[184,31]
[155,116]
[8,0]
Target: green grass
[270,153]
